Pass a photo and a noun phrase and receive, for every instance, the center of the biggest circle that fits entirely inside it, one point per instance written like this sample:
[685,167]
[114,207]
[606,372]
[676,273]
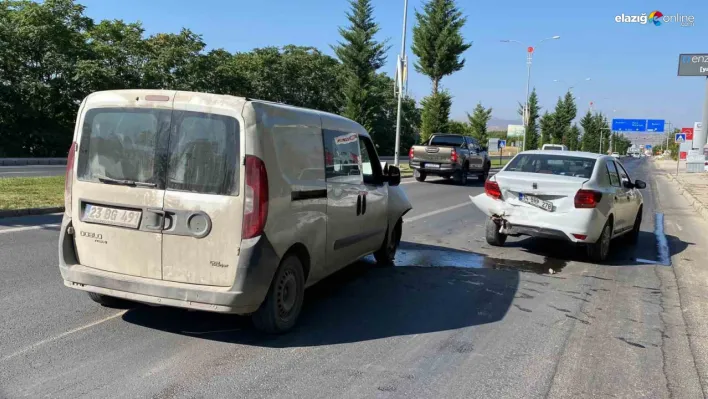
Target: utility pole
[400,80]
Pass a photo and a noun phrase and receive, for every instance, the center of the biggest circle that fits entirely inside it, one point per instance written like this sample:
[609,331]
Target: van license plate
[112,216]
[537,202]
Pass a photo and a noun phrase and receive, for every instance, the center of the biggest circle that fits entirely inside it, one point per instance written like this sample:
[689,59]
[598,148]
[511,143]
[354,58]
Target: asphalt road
[32,170]
[455,319]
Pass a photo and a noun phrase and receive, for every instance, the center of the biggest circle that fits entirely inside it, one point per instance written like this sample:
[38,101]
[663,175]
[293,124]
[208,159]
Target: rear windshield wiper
[131,183]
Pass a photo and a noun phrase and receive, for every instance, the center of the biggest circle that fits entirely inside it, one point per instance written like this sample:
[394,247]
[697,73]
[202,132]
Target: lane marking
[662,244]
[425,215]
[62,335]
[27,228]
[647,261]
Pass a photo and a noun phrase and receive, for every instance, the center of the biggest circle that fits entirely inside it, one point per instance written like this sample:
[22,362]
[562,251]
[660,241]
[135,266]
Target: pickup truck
[449,156]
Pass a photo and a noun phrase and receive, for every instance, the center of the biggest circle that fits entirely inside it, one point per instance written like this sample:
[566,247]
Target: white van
[554,147]
[220,203]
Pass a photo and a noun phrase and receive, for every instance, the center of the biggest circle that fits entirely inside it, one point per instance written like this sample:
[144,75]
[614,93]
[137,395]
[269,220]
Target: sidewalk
[693,186]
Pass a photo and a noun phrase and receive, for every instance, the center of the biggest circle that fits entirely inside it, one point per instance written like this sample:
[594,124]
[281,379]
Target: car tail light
[410,153]
[580,237]
[255,210]
[491,188]
[68,178]
[453,156]
[587,198]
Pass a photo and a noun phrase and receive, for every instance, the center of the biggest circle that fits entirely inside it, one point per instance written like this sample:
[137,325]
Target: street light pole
[529,60]
[400,81]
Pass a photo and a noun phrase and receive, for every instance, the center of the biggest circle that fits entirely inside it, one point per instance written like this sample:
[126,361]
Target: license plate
[432,165]
[112,216]
[537,202]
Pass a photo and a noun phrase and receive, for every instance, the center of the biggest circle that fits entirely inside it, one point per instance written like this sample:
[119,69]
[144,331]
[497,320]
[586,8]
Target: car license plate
[112,216]
[432,165]
[537,202]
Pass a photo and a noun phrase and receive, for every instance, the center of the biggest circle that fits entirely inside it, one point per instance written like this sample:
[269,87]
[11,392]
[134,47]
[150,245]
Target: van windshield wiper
[131,183]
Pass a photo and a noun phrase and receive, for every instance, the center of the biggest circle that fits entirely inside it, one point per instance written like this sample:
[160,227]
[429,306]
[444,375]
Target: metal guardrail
[31,161]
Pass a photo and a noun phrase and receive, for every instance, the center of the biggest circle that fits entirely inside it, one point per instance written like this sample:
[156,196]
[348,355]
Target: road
[455,319]
[32,170]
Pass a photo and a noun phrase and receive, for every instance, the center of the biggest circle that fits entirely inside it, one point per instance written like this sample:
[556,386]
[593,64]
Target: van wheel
[387,253]
[281,308]
[419,176]
[110,301]
[493,236]
[598,251]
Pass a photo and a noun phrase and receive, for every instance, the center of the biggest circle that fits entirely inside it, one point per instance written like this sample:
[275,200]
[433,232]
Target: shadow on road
[363,302]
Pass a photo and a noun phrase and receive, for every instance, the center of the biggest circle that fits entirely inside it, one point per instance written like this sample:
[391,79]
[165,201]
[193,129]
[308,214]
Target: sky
[632,67]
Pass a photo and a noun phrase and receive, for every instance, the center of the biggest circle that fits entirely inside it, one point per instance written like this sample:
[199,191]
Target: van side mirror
[640,184]
[393,175]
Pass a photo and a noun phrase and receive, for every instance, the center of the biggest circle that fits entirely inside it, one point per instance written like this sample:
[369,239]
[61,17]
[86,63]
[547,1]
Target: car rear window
[447,141]
[182,150]
[552,164]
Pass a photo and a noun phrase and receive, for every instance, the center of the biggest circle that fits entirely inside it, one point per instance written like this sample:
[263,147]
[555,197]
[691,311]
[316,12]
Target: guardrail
[31,161]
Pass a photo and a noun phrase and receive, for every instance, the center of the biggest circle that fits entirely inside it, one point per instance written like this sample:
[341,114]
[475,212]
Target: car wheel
[461,177]
[599,250]
[485,175]
[111,301]
[419,176]
[281,308]
[633,235]
[494,237]
[387,253]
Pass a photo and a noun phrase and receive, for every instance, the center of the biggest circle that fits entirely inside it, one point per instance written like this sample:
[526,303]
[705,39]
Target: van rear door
[118,189]
[203,202]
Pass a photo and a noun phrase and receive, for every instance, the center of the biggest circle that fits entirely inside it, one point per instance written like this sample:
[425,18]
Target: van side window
[370,165]
[203,153]
[342,160]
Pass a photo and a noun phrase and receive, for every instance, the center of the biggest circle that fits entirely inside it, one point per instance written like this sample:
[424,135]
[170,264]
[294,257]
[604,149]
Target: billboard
[699,135]
[514,131]
[693,65]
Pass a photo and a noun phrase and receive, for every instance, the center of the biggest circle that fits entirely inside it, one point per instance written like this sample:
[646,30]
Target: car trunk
[432,154]
[556,189]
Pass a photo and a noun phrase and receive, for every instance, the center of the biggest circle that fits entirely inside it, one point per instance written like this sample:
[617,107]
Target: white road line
[27,228]
[425,215]
[62,335]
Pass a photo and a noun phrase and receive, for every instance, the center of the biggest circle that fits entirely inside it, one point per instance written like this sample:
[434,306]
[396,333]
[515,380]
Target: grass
[31,192]
[497,164]
[406,170]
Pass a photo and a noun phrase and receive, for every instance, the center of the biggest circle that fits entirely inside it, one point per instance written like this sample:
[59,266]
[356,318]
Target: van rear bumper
[257,265]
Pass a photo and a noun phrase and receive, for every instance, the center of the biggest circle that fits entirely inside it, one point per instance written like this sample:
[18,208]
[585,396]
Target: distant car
[579,197]
[554,147]
[615,155]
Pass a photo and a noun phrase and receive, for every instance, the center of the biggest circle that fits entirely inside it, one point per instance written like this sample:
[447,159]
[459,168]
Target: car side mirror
[640,184]
[393,176]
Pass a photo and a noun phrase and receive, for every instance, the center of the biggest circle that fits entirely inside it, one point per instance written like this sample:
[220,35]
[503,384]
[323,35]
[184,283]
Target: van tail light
[587,198]
[491,188]
[69,178]
[453,156]
[255,211]
[410,153]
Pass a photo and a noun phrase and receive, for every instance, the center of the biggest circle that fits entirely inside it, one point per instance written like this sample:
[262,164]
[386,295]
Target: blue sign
[502,143]
[680,138]
[655,125]
[629,125]
[648,146]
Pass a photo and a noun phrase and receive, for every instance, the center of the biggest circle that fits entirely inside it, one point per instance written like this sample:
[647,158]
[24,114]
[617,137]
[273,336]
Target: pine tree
[573,140]
[361,56]
[546,122]
[435,115]
[478,123]
[532,139]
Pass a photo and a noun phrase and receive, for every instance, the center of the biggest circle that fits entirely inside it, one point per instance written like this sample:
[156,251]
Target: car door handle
[358,205]
[160,214]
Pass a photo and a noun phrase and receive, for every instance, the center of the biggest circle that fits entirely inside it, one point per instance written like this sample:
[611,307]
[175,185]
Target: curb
[30,211]
[697,205]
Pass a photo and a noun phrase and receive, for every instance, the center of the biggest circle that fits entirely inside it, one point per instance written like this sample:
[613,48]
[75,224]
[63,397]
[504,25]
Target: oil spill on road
[425,255]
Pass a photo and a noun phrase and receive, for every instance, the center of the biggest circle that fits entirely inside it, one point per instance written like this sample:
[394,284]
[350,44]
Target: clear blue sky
[632,67]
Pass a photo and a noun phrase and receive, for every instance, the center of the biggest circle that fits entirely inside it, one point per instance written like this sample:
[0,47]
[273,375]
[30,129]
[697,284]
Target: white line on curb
[27,228]
[425,215]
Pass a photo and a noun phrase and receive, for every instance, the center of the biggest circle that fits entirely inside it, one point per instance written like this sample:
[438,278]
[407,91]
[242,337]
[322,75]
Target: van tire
[492,234]
[282,305]
[387,253]
[110,301]
[419,176]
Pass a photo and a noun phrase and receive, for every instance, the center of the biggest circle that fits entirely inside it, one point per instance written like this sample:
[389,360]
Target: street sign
[648,147]
[513,131]
[693,65]
[655,125]
[629,125]
[502,143]
[688,131]
[680,138]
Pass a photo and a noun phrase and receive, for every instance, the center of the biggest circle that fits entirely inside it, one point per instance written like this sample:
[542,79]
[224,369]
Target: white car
[580,197]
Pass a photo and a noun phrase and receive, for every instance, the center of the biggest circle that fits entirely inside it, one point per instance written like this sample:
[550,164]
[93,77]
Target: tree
[435,114]
[478,123]
[559,123]
[361,56]
[457,127]
[547,124]
[384,128]
[595,127]
[437,41]
[531,139]
[573,138]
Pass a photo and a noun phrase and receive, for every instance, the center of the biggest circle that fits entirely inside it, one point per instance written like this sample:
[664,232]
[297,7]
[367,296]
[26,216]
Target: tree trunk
[435,86]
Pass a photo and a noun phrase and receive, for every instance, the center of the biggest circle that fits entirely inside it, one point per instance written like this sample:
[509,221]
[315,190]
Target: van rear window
[181,150]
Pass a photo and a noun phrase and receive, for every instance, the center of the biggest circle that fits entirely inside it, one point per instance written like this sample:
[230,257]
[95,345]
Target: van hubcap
[287,293]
